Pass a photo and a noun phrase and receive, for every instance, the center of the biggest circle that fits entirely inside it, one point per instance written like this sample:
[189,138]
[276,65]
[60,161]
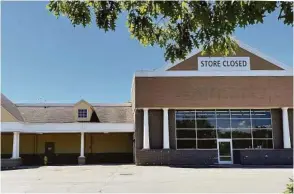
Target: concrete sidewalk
[131,178]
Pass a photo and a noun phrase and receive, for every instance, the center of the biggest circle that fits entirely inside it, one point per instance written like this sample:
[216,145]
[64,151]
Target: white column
[146,130]
[17,146]
[82,145]
[165,129]
[14,147]
[286,131]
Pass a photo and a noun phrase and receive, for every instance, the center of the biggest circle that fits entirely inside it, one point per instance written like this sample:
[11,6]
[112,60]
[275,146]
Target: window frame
[79,113]
[231,129]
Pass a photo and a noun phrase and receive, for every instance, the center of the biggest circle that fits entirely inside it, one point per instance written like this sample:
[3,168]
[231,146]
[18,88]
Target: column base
[81,160]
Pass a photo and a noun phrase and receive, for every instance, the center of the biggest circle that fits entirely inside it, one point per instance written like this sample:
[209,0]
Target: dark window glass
[223,114]
[82,113]
[242,144]
[261,123]
[240,113]
[224,148]
[203,114]
[206,144]
[185,115]
[241,133]
[223,123]
[262,133]
[224,133]
[241,123]
[185,123]
[225,158]
[208,123]
[186,144]
[260,114]
[202,134]
[261,143]
[186,134]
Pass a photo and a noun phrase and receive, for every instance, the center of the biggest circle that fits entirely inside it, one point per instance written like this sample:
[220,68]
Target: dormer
[83,111]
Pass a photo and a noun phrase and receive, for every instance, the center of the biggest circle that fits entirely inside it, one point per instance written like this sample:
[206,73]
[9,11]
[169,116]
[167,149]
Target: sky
[44,59]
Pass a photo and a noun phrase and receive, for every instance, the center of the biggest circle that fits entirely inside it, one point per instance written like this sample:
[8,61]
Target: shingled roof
[47,113]
[10,107]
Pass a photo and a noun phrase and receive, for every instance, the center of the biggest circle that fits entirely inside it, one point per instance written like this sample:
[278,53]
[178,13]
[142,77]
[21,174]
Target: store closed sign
[223,63]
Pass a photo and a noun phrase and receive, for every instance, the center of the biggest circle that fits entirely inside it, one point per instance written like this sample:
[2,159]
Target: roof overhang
[67,127]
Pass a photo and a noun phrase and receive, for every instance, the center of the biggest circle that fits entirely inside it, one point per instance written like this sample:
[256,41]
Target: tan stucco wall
[27,143]
[69,143]
[109,143]
[82,105]
[6,143]
[6,116]
[64,142]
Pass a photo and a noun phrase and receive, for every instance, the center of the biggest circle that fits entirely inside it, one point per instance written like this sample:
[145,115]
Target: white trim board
[66,127]
[70,104]
[241,45]
[214,73]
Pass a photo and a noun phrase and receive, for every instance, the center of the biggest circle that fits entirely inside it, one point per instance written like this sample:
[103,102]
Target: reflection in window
[199,129]
[242,144]
[240,114]
[185,123]
[224,133]
[262,133]
[260,114]
[185,114]
[241,123]
[263,143]
[203,114]
[206,134]
[261,123]
[223,124]
[206,124]
[241,133]
[223,114]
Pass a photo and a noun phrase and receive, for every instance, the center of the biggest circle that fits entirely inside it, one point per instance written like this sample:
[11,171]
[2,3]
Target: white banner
[223,63]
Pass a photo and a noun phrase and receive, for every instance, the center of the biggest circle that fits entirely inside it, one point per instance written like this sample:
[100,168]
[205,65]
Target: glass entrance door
[225,154]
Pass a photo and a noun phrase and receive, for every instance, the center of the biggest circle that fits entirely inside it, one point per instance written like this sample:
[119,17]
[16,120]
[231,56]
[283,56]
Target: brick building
[200,111]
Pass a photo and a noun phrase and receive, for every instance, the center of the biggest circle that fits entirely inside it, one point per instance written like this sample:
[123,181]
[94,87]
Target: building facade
[204,110]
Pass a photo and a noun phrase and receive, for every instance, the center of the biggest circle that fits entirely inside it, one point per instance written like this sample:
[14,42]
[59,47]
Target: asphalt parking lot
[131,178]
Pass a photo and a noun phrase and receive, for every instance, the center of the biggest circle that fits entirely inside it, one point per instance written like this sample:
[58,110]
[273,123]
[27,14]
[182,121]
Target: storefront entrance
[225,153]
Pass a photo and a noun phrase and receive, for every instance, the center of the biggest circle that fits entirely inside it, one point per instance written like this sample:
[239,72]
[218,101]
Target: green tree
[176,26]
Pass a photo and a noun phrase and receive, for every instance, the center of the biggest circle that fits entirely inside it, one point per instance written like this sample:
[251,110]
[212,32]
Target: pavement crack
[110,178]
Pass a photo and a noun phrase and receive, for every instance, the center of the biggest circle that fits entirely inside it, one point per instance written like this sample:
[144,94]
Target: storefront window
[206,134]
[248,128]
[206,144]
[186,134]
[186,144]
[206,124]
[241,133]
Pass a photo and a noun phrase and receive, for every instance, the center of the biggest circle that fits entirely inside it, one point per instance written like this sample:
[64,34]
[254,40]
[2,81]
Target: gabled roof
[10,107]
[64,113]
[84,101]
[241,45]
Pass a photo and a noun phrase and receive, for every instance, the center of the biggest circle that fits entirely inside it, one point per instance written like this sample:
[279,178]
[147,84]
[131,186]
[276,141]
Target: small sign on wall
[223,63]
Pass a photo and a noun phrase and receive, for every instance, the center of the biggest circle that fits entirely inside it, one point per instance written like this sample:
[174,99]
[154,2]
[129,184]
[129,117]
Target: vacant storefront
[204,111]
